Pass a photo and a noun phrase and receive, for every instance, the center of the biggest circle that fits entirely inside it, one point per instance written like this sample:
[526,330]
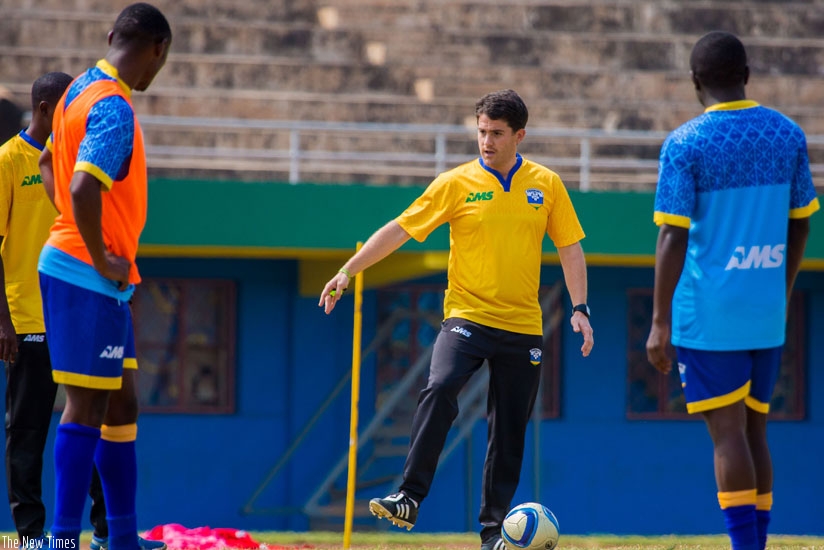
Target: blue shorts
[91,336]
[715,379]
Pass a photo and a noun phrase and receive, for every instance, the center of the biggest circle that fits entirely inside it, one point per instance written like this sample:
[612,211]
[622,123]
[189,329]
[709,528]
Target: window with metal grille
[652,395]
[185,338]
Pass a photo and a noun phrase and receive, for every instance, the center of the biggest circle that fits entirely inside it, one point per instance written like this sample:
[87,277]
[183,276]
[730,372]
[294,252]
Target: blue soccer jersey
[106,149]
[733,176]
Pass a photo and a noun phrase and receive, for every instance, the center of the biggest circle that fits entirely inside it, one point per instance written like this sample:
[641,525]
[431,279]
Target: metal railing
[298,157]
[583,149]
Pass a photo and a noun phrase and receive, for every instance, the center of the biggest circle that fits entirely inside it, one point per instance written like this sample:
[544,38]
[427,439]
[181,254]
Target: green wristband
[345,272]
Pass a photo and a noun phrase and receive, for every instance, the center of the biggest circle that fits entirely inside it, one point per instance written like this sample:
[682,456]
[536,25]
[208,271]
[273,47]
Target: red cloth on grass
[178,537]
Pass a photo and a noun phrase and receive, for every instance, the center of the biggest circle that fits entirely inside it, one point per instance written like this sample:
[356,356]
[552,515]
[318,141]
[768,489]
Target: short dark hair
[504,105]
[49,88]
[719,60]
[141,24]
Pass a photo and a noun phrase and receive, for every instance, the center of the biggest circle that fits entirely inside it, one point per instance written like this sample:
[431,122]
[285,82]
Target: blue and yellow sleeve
[675,194]
[106,150]
[803,200]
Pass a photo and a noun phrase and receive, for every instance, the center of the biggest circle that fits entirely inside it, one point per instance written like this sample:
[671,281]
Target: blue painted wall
[603,473]
[600,472]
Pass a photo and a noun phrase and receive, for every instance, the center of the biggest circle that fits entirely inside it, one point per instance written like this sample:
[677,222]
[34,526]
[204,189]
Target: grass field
[393,540]
[396,540]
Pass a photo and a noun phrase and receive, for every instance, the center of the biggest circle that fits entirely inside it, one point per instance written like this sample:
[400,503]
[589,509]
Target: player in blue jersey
[733,203]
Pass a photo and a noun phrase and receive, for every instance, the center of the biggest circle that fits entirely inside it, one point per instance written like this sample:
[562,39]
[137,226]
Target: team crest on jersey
[534,198]
[535,356]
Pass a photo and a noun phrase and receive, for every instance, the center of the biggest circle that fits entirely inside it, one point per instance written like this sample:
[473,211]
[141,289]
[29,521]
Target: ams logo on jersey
[462,331]
[756,257]
[31,180]
[481,196]
[112,352]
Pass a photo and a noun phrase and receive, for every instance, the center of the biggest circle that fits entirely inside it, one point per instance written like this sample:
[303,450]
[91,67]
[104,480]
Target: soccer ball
[531,526]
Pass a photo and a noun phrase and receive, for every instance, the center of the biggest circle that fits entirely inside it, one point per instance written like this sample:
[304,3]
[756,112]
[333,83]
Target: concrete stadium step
[643,114]
[613,64]
[544,112]
[82,31]
[478,46]
[219,71]
[639,112]
[772,18]
[297,105]
[241,72]
[227,75]
[242,10]
[488,49]
[260,72]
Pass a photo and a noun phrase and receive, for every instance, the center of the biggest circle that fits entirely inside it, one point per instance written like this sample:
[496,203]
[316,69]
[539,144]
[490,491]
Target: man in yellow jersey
[26,214]
[499,207]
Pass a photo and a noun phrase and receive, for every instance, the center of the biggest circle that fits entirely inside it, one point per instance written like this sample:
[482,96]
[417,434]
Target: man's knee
[726,422]
[123,403]
[86,406]
[756,426]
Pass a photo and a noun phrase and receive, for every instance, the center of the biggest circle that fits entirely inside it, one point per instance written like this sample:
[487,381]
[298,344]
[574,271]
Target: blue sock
[741,526]
[763,519]
[117,464]
[74,448]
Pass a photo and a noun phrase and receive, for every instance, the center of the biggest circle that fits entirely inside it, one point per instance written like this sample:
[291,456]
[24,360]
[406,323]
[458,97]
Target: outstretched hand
[333,291]
[580,323]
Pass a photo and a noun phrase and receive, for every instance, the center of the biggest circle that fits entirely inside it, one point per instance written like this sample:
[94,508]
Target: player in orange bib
[94,168]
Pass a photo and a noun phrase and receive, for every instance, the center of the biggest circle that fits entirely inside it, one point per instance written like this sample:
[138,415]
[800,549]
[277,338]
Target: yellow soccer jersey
[496,229]
[26,215]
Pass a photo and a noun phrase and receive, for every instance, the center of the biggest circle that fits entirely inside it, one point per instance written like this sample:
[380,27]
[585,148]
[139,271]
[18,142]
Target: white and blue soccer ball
[531,526]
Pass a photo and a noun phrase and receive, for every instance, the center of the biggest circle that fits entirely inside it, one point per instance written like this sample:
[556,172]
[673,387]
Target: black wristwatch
[583,308]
